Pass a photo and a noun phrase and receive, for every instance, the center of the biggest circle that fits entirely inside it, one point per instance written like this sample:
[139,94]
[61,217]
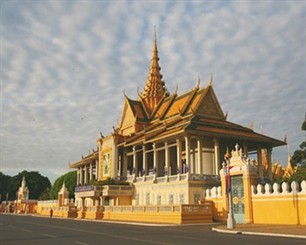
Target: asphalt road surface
[22,229]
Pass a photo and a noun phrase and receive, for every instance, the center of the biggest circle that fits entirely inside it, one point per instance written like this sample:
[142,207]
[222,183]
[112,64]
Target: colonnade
[181,155]
[87,173]
[171,157]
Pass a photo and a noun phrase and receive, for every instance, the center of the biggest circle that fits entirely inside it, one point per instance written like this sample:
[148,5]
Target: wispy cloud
[64,66]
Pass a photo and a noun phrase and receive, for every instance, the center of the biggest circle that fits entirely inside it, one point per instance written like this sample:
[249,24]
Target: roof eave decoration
[85,160]
[190,99]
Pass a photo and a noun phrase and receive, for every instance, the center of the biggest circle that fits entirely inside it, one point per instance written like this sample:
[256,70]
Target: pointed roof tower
[155,89]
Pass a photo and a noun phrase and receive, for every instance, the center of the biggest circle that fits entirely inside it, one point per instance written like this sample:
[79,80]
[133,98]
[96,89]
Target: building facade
[168,147]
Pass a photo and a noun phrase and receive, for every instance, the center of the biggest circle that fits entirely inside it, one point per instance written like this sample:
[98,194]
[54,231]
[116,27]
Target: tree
[36,183]
[5,182]
[70,182]
[298,176]
[34,180]
[299,156]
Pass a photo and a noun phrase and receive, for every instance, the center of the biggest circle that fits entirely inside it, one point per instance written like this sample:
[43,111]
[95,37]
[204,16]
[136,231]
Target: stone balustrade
[277,189]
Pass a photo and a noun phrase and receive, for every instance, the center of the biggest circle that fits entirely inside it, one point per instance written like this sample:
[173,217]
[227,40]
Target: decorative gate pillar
[63,195]
[243,174]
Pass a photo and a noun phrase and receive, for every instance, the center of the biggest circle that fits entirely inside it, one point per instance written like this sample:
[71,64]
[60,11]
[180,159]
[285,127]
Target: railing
[184,209]
[94,209]
[173,178]
[117,188]
[206,177]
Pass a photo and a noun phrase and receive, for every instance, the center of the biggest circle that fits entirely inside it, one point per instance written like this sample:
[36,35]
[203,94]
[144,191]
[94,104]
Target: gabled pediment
[128,119]
[207,104]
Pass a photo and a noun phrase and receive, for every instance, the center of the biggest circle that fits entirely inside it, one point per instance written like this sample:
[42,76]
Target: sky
[66,64]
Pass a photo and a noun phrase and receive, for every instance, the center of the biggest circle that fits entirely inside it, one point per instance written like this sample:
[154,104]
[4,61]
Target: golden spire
[155,88]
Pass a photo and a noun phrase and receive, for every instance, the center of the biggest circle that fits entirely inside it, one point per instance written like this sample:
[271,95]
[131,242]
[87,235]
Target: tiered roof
[155,89]
[157,116]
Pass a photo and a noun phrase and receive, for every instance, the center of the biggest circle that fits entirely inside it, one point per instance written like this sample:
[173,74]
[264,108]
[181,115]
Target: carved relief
[208,107]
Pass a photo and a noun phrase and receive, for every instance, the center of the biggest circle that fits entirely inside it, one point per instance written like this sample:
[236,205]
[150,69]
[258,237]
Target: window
[158,200]
[147,198]
[106,164]
[170,198]
[182,198]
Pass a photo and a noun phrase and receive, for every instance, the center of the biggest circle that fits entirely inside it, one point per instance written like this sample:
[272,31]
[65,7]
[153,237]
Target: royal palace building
[167,148]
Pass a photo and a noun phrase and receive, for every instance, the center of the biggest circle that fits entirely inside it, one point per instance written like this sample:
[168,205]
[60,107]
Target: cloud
[65,66]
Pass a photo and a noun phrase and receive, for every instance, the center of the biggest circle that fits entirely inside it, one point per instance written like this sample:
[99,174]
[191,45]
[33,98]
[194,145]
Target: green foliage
[298,177]
[299,156]
[45,195]
[70,182]
[5,186]
[304,125]
[110,181]
[34,181]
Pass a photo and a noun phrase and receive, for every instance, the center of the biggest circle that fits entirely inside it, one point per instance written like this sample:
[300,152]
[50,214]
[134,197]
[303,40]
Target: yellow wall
[105,147]
[168,192]
[279,207]
[175,214]
[270,205]
[214,196]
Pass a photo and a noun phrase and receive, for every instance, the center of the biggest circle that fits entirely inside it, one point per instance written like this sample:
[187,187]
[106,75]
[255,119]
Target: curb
[257,233]
[114,221]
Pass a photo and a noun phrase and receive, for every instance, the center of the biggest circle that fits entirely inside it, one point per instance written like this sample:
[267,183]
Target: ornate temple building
[168,147]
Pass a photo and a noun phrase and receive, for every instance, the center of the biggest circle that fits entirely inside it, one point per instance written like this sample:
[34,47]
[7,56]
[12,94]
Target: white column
[217,156]
[144,160]
[167,158]
[86,175]
[135,163]
[269,153]
[97,170]
[155,165]
[81,176]
[119,165]
[192,157]
[199,169]
[179,155]
[90,172]
[187,153]
[259,161]
[125,164]
[114,172]
[78,176]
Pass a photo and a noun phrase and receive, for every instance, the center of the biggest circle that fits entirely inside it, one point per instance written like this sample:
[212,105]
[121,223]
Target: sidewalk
[297,231]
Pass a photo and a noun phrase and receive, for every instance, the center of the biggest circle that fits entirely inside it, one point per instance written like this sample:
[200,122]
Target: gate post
[240,166]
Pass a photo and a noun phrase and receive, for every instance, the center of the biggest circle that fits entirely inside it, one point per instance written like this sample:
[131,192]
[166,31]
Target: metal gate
[237,198]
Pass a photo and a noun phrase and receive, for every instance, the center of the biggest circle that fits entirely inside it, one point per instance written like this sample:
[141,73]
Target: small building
[22,203]
[167,148]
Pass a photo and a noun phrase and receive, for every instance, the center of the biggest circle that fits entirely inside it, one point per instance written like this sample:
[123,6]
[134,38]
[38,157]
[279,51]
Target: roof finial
[155,33]
[211,79]
[198,83]
[176,89]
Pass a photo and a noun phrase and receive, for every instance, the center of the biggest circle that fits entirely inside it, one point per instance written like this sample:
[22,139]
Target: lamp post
[230,219]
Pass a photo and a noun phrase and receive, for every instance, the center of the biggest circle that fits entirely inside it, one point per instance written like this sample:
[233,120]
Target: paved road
[20,229]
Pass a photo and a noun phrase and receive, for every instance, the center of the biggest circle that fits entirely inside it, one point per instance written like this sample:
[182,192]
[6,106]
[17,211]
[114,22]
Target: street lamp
[230,219]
